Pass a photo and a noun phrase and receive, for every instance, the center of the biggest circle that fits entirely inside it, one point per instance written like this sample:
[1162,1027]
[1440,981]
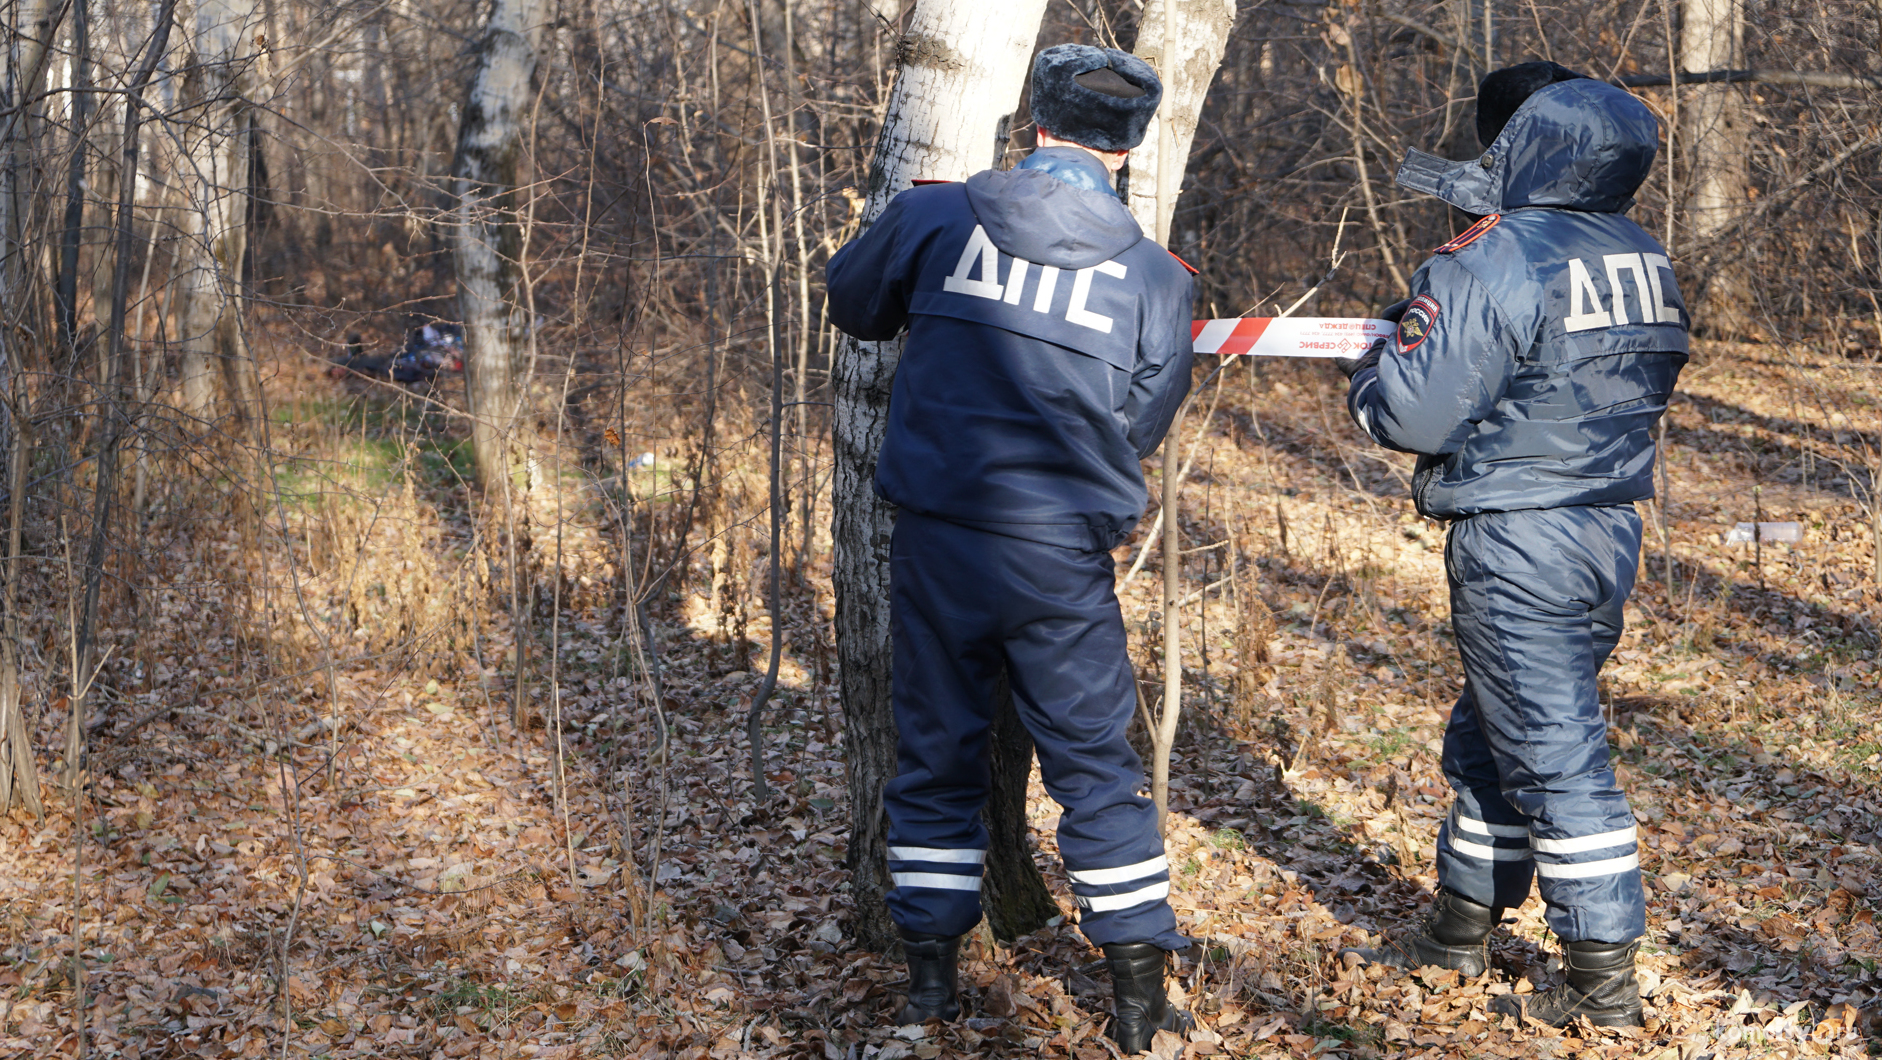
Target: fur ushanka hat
[1099,98]
[1506,90]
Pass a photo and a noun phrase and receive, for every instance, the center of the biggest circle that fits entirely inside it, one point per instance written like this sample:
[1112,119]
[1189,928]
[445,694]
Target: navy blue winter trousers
[1536,600]
[965,604]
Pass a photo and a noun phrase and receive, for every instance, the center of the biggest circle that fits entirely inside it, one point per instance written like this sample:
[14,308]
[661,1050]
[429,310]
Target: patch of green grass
[493,1006]
[1228,839]
[1855,756]
[356,464]
[1325,1028]
[1388,745]
[369,443]
[444,463]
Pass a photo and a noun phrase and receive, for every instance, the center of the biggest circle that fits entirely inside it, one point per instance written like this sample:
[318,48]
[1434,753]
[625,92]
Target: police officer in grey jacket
[1048,348]
[1531,363]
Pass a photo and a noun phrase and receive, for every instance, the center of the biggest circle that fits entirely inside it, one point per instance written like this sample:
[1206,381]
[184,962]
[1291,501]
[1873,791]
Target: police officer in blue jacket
[1048,349]
[1537,352]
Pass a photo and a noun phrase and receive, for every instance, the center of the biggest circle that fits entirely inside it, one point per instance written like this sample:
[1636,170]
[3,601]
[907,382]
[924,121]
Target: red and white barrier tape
[1289,336]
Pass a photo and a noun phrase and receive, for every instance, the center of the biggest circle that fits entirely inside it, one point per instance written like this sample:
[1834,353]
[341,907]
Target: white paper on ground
[1769,533]
[1289,336]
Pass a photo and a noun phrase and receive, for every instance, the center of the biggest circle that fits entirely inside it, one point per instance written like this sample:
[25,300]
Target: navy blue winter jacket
[1048,349]
[1541,345]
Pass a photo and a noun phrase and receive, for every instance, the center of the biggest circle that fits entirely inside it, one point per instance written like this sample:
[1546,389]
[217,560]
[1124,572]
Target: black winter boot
[1600,987]
[1452,936]
[1141,1005]
[932,963]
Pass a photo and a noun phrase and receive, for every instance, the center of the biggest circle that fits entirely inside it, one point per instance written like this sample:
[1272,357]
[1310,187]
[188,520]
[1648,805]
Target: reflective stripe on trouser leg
[964,603]
[1536,600]
[1483,844]
[943,883]
[945,672]
[1122,889]
[1072,685]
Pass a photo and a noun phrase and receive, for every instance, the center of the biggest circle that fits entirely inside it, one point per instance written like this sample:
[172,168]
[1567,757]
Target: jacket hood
[1045,211]
[1575,145]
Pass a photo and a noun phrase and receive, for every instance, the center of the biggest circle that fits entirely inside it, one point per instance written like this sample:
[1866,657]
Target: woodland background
[333,723]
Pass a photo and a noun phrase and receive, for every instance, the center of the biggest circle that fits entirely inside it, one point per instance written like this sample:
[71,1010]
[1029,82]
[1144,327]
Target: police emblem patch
[1417,322]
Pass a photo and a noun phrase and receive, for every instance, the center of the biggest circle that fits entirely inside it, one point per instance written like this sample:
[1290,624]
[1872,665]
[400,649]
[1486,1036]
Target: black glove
[1353,367]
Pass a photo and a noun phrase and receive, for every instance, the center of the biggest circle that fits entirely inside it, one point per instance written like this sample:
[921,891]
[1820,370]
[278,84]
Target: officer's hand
[1395,311]
[1353,366]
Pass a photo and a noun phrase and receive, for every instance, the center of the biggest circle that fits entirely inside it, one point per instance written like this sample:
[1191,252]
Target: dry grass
[439,905]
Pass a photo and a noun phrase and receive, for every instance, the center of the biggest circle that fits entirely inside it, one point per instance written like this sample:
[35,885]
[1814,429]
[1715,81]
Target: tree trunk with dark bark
[1013,894]
[65,287]
[32,24]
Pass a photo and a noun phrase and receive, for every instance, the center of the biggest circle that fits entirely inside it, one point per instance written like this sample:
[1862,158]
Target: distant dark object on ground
[355,361]
[429,349]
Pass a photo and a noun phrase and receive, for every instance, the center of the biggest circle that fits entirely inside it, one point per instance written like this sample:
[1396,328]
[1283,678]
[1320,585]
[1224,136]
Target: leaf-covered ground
[435,883]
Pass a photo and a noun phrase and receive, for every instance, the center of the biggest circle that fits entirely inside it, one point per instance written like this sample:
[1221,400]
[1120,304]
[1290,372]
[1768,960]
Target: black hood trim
[1575,145]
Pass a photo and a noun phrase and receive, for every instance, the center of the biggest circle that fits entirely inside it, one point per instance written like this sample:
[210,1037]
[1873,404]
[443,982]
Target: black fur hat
[1099,98]
[1503,91]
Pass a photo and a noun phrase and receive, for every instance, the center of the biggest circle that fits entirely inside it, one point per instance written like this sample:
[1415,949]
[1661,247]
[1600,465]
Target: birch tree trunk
[487,237]
[1713,138]
[1200,36]
[213,173]
[962,63]
[1184,40]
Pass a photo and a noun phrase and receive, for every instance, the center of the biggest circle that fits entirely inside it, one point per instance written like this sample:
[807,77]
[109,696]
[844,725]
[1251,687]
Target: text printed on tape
[1289,336]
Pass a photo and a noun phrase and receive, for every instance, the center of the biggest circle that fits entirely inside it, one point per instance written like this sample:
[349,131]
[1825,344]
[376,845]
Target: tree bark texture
[19,774]
[961,65]
[1713,143]
[488,240]
[65,288]
[217,85]
[1201,37]
[1475,23]
[34,25]
[36,22]
[112,416]
[1013,894]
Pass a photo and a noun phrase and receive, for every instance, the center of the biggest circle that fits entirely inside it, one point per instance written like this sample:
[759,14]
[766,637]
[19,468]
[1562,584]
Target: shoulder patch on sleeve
[1469,235]
[1193,270]
[1417,322]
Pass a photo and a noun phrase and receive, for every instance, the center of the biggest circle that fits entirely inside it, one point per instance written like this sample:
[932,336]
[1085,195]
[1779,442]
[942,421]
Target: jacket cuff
[1357,392]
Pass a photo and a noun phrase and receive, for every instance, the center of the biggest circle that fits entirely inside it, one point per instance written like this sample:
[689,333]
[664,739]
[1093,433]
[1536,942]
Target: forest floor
[435,882]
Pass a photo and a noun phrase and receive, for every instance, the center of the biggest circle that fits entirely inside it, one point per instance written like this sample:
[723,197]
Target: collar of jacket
[1575,145]
[1073,165]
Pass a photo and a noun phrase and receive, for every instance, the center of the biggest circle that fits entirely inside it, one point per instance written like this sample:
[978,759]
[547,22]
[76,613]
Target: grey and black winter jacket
[1542,344]
[1048,348]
